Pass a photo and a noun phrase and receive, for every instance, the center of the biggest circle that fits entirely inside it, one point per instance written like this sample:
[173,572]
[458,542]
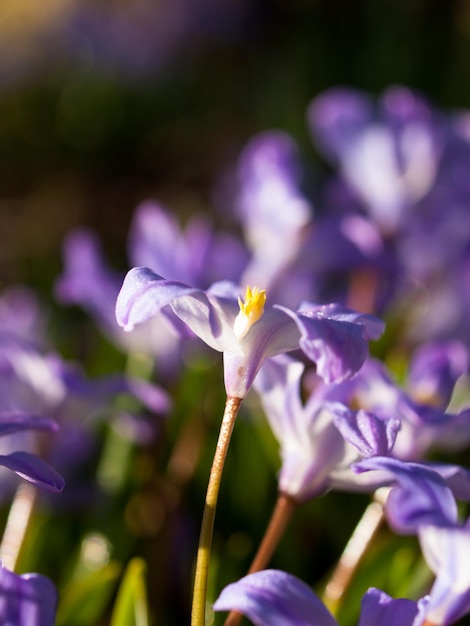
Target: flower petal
[334,338]
[369,434]
[143,294]
[28,599]
[14,421]
[379,609]
[33,469]
[274,598]
[447,552]
[419,495]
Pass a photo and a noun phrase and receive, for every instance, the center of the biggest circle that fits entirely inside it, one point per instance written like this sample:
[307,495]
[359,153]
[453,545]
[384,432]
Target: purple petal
[379,609]
[371,435]
[28,599]
[274,598]
[86,280]
[334,338]
[337,117]
[434,370]
[457,479]
[209,316]
[419,495]
[33,469]
[447,552]
[143,294]
[14,421]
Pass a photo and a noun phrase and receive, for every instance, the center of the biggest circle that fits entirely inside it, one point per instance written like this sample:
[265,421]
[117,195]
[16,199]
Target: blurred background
[105,103]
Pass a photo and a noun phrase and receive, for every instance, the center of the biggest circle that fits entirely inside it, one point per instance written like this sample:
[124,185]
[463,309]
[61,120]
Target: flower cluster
[339,317]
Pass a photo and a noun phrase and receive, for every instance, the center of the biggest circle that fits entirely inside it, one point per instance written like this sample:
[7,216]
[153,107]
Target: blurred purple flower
[27,599]
[389,157]
[195,255]
[22,315]
[86,281]
[33,385]
[276,598]
[333,337]
[274,213]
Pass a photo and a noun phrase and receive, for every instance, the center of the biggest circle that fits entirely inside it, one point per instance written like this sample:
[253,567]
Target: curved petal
[419,496]
[274,598]
[447,552]
[14,421]
[33,469]
[379,609]
[28,599]
[337,348]
[143,294]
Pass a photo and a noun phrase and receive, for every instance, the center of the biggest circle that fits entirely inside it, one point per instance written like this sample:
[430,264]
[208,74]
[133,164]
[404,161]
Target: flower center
[250,311]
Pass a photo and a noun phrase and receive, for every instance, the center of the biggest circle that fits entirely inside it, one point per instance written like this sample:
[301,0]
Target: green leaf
[131,607]
[83,601]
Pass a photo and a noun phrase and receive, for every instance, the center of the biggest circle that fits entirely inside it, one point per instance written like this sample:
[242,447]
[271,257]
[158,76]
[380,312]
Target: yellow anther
[250,310]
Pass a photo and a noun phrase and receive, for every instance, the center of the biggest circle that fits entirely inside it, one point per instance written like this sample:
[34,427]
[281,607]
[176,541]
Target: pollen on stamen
[250,310]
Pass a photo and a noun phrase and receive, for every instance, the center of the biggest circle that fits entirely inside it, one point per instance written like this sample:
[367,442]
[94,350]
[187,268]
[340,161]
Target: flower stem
[355,549]
[17,524]
[281,516]
[198,614]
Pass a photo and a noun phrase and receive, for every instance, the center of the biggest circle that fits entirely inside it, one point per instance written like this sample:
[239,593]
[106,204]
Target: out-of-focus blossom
[318,437]
[274,213]
[27,599]
[333,337]
[196,254]
[434,370]
[22,315]
[276,598]
[87,282]
[389,156]
[36,387]
[447,552]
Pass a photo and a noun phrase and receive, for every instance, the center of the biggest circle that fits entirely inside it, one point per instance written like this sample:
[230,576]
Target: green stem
[281,516]
[198,614]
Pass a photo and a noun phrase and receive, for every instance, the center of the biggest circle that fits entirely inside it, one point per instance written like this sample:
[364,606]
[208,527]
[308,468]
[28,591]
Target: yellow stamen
[250,310]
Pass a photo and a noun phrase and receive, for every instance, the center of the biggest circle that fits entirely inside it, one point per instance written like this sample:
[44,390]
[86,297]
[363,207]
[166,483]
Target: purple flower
[434,369]
[21,315]
[447,553]
[333,337]
[195,255]
[27,599]
[88,282]
[420,405]
[275,215]
[388,157]
[317,438]
[276,598]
